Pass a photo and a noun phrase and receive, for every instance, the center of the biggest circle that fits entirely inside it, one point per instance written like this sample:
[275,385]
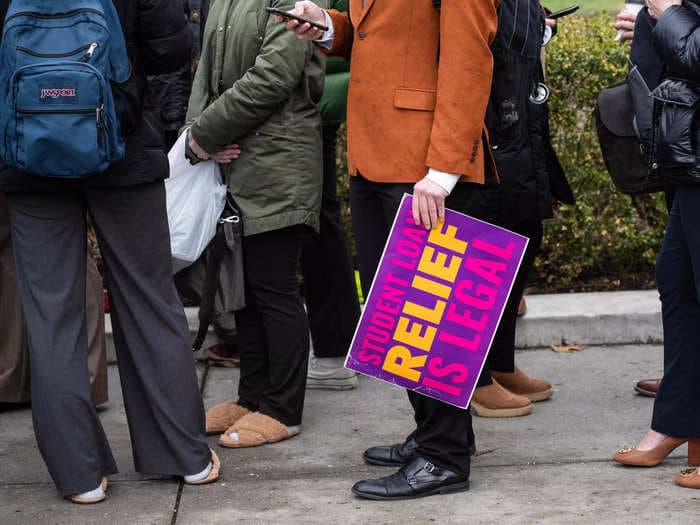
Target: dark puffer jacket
[676,130]
[171,91]
[530,173]
[158,42]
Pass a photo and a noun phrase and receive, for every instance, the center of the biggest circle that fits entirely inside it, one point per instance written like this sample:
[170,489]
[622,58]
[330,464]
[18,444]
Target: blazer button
[361,35]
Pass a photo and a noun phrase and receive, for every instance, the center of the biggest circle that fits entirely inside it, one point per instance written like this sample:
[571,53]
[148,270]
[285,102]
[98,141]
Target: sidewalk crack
[181,485]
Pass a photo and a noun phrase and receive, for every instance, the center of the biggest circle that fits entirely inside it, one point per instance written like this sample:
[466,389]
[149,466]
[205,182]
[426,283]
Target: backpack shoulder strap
[119,58]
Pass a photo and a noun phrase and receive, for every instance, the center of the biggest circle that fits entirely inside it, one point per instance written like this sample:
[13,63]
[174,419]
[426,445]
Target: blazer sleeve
[465,71]
[676,39]
[343,34]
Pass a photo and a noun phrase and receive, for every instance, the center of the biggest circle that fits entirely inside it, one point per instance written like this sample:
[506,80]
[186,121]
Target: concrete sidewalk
[600,318]
[550,467]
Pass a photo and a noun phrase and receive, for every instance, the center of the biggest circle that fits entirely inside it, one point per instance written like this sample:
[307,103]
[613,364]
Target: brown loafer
[648,387]
[495,401]
[520,384]
[522,307]
[689,478]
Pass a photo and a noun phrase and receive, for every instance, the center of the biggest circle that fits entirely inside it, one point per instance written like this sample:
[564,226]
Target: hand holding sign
[435,304]
[428,203]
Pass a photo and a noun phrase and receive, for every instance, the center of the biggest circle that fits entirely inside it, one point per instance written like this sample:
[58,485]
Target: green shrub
[607,240]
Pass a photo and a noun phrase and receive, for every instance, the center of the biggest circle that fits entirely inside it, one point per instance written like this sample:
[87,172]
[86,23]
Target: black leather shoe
[417,479]
[391,456]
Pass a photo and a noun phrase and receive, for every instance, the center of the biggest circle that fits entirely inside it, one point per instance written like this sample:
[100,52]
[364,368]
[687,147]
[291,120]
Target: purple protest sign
[436,301]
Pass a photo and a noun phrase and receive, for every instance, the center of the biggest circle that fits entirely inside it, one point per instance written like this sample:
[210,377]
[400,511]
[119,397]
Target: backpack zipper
[99,121]
[56,111]
[88,48]
[58,15]
[91,49]
[99,113]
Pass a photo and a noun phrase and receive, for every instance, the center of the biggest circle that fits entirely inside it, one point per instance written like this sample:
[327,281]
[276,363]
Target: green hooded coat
[256,86]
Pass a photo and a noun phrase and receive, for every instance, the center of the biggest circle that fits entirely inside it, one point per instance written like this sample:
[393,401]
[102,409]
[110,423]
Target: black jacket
[171,91]
[530,172]
[676,133]
[158,42]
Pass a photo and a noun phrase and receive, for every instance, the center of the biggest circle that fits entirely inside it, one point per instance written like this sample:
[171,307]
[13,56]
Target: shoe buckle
[429,467]
[411,480]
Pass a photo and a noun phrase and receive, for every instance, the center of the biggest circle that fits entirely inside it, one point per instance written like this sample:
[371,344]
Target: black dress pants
[273,330]
[502,353]
[677,404]
[326,265]
[443,432]
[159,383]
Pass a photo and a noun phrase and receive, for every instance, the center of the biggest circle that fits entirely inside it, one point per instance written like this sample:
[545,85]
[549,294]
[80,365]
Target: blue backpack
[57,110]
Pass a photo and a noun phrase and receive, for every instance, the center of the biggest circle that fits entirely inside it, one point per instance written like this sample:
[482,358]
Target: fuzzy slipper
[255,429]
[213,474]
[75,498]
[220,417]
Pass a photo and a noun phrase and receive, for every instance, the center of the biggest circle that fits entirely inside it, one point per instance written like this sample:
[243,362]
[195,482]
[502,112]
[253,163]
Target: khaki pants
[14,355]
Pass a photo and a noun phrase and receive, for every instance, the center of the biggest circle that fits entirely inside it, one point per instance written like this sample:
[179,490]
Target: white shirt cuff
[447,181]
[326,40]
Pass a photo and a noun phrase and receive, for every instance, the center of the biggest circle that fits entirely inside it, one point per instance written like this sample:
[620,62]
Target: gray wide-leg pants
[161,394]
[14,354]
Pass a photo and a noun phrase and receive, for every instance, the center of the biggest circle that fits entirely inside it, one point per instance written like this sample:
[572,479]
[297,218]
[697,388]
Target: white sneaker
[328,373]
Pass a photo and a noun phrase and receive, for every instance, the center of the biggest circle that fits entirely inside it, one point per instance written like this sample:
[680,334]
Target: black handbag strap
[216,250]
[206,308]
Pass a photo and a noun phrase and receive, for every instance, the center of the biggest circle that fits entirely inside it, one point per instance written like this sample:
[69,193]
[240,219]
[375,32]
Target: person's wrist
[191,153]
[326,39]
[447,181]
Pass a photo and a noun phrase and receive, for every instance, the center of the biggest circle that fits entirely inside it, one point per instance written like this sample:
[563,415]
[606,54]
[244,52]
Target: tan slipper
[75,498]
[213,475]
[220,417]
[255,429]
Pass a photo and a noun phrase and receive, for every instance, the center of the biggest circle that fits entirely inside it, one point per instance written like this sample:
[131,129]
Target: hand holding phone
[286,16]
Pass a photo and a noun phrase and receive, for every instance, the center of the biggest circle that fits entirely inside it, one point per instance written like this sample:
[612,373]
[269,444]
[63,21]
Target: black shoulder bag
[623,116]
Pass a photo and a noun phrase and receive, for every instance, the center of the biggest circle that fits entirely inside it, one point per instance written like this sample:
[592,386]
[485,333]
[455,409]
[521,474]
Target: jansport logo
[58,93]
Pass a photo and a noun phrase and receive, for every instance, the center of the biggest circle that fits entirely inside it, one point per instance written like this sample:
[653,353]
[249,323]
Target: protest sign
[436,301]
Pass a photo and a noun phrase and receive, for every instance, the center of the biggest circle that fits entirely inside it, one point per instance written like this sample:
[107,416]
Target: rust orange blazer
[408,109]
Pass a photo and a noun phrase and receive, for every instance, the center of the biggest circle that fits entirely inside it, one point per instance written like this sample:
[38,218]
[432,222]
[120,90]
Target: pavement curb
[598,318]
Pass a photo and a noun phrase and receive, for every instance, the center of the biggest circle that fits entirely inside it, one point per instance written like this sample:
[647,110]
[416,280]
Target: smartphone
[564,12]
[289,16]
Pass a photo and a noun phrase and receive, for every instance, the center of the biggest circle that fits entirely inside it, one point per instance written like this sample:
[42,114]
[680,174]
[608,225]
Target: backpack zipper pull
[98,117]
[91,50]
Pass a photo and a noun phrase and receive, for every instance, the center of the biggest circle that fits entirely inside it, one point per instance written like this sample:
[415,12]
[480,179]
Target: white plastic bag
[195,199]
